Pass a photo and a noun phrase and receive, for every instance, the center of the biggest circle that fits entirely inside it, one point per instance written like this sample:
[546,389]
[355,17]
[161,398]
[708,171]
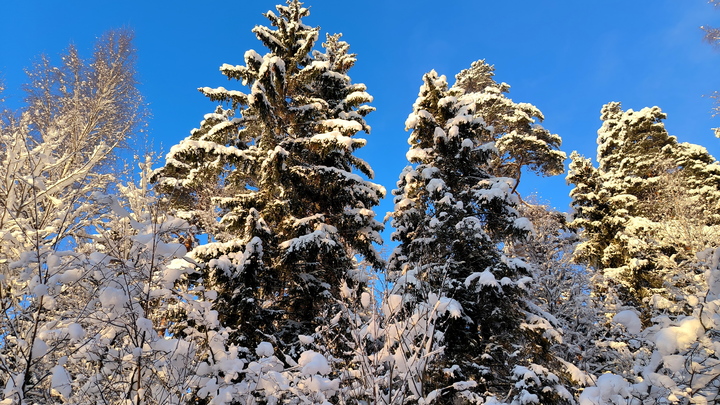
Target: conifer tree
[452,211]
[514,127]
[645,211]
[647,217]
[294,212]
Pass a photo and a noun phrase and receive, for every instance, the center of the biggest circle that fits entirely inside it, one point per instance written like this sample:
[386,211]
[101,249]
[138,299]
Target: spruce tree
[647,219]
[644,212]
[452,213]
[294,211]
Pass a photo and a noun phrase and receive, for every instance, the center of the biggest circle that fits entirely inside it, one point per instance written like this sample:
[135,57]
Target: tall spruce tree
[647,217]
[453,212]
[645,212]
[294,212]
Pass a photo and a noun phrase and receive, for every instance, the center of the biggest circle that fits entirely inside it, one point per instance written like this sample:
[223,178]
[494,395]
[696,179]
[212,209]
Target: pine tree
[452,211]
[297,212]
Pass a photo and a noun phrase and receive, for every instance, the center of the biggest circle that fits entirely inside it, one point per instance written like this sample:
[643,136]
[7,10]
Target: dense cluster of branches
[245,270]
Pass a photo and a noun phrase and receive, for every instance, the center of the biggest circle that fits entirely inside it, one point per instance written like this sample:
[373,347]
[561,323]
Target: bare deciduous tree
[54,152]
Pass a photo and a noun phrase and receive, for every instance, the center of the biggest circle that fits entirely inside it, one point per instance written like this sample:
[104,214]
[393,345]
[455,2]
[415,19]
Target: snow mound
[609,389]
[312,363]
[264,349]
[678,338]
[630,320]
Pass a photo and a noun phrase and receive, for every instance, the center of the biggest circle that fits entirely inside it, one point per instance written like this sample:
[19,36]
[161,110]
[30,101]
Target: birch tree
[55,151]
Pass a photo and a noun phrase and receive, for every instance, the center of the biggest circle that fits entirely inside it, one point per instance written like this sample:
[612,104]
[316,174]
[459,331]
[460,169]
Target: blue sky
[567,57]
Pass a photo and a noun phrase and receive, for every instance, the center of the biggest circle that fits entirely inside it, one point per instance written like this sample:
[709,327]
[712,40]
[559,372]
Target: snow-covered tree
[561,288]
[645,211]
[453,211]
[53,152]
[674,360]
[54,147]
[521,142]
[643,215]
[294,211]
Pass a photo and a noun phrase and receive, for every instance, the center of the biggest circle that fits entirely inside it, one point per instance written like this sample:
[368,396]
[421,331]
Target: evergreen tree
[452,213]
[514,127]
[294,213]
[645,211]
[646,214]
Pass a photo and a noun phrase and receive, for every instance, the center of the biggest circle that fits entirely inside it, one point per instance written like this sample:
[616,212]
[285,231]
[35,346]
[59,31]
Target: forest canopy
[251,264]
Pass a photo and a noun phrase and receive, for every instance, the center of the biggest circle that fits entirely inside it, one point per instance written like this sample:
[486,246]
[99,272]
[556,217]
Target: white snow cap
[264,349]
[609,389]
[630,320]
[678,338]
[313,362]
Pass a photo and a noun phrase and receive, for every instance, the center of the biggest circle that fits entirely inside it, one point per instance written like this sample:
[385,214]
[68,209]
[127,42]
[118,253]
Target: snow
[673,339]
[144,325]
[447,101]
[484,278]
[450,306]
[336,137]
[319,384]
[344,126]
[312,362]
[440,136]
[322,236]
[576,374]
[112,297]
[345,291]
[173,271]
[222,91]
[429,172]
[39,348]
[610,389]
[417,154]
[76,331]
[40,290]
[264,349]
[660,302]
[393,304]
[60,382]
[70,276]
[630,320]
[365,299]
[674,362]
[411,121]
[358,97]
[435,185]
[306,340]
[526,397]
[250,56]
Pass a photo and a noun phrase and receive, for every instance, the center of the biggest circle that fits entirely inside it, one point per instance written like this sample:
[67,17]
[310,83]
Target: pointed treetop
[292,37]
[478,77]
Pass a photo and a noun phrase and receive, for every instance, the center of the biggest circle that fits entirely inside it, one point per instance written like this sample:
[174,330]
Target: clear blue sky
[567,57]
